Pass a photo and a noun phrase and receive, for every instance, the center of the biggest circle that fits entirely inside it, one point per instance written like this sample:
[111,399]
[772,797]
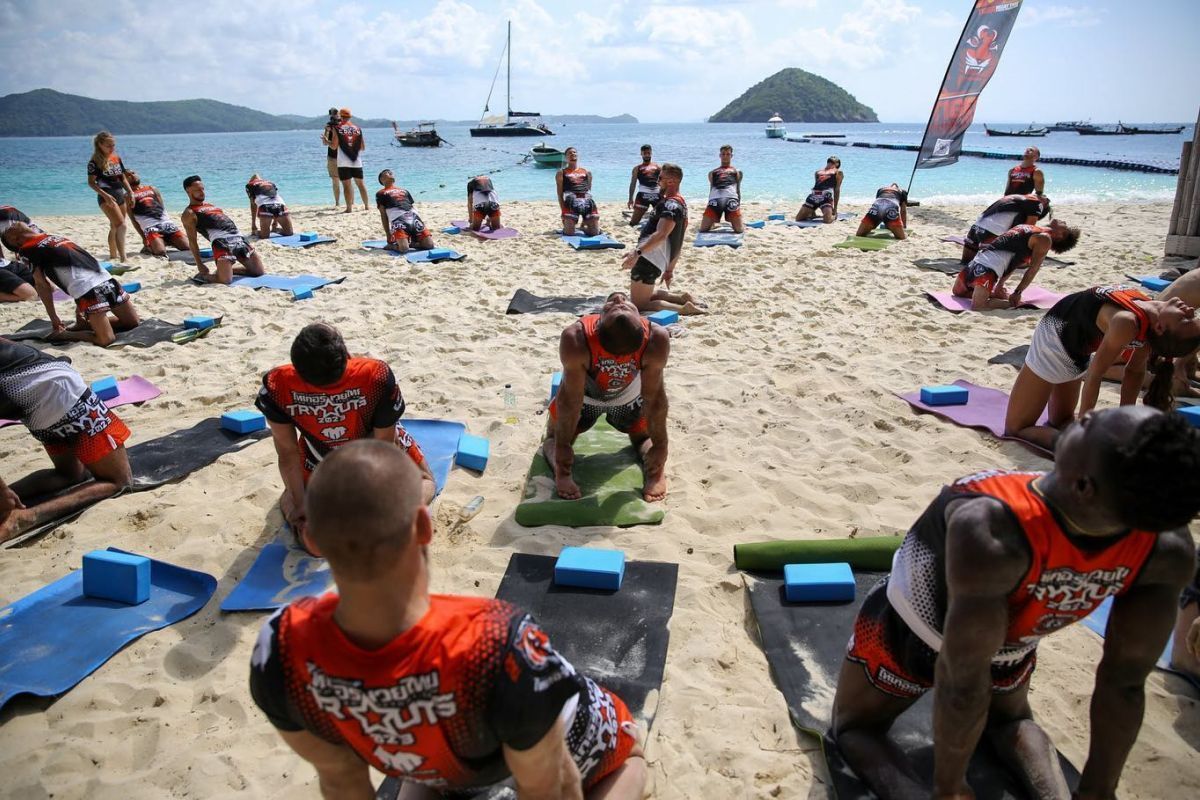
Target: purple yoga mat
[131,390]
[985,409]
[1034,297]
[485,232]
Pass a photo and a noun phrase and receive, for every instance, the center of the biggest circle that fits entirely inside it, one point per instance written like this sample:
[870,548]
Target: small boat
[775,129]
[545,156]
[506,126]
[1129,130]
[1062,127]
[1027,132]
[424,135]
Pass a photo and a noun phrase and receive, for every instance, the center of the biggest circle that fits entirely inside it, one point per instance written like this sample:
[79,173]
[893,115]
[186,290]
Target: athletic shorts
[819,199]
[89,431]
[116,194]
[485,210]
[886,211]
[408,227]
[231,248]
[897,662]
[164,230]
[272,210]
[729,206]
[973,275]
[645,199]
[645,271]
[1048,358]
[14,275]
[346,173]
[584,207]
[977,237]
[629,419]
[331,167]
[102,298]
[403,440]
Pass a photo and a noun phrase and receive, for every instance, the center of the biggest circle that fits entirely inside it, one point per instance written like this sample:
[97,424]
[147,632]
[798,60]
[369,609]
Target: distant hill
[797,96]
[45,112]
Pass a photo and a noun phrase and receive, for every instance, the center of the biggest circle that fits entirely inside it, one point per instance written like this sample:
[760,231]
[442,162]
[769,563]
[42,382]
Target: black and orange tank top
[610,374]
[1020,179]
[577,181]
[826,180]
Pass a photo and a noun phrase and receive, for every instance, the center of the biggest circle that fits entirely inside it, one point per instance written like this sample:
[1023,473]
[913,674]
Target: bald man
[449,694]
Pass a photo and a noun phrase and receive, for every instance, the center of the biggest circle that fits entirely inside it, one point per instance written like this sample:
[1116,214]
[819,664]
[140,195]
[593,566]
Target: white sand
[783,423]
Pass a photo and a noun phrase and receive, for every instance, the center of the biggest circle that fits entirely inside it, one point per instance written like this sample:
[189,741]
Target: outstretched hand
[629,260]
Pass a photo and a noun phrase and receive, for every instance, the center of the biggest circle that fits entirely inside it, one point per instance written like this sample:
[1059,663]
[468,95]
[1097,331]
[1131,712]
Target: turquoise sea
[44,176]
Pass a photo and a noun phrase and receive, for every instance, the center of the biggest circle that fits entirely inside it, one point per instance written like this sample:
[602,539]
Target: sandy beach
[784,424]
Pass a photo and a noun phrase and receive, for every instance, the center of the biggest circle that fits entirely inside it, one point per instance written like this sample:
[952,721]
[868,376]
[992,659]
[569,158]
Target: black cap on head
[189,180]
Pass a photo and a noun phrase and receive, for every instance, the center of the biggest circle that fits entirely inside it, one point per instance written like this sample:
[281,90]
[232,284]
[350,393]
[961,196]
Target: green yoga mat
[608,473]
[876,240]
[868,553]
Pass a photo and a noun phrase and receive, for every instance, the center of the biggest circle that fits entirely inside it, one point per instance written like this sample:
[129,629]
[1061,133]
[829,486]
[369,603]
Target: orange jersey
[608,374]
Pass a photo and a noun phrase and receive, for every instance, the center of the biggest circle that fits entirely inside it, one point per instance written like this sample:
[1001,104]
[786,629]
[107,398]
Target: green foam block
[866,242]
[868,553]
[609,475]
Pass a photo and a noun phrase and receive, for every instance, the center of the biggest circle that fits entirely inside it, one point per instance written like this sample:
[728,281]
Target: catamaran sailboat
[514,123]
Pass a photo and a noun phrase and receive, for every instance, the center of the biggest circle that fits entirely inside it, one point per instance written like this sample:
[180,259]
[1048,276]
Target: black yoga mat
[805,644]
[150,332]
[167,459]
[949,266]
[525,303]
[1014,357]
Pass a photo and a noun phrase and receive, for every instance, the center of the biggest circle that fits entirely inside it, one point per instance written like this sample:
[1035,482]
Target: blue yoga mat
[601,241]
[283,573]
[54,638]
[294,241]
[1097,621]
[284,282]
[714,238]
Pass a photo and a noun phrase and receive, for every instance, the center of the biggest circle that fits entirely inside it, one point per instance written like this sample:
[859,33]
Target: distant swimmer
[724,194]
[57,261]
[659,246]
[643,185]
[106,176]
[482,203]
[574,184]
[1026,177]
[16,277]
[83,438]
[1001,216]
[267,210]
[1076,342]
[350,146]
[613,364]
[826,193]
[998,562]
[402,225]
[1022,248]
[450,695]
[889,209]
[229,246]
[324,399]
[150,219]
[329,139]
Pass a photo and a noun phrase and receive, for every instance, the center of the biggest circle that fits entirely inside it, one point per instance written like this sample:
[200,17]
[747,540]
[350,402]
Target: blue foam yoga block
[776,216]
[106,388]
[309,237]
[472,452]
[199,322]
[452,230]
[663,317]
[590,568]
[806,583]
[244,421]
[441,252]
[944,395]
[759,224]
[555,384]
[302,293]
[1191,414]
[1154,284]
[122,577]
[132,286]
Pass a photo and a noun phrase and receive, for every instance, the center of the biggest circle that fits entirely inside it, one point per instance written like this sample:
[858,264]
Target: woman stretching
[1079,339]
[106,176]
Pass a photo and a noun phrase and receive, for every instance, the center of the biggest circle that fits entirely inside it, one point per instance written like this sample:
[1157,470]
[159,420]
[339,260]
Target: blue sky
[661,60]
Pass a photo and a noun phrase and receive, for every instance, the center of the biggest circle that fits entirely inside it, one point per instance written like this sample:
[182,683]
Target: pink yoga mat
[485,232]
[985,409]
[131,390]
[1034,297]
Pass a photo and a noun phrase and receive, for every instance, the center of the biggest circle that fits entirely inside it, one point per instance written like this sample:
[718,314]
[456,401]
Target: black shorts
[645,271]
[346,173]
[821,199]
[102,299]
[272,210]
[231,248]
[14,275]
[117,194]
[644,199]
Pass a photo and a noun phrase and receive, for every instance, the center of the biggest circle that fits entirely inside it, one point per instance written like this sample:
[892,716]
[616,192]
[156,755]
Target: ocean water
[44,176]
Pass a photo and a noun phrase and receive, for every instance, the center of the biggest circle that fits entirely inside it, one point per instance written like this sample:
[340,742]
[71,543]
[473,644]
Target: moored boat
[775,128]
[1027,132]
[424,135]
[545,156]
[514,123]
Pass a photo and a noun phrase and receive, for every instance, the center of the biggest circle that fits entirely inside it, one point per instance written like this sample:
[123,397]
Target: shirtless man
[402,225]
[724,194]
[83,438]
[1000,560]
[613,364]
[449,694]
[229,246]
[826,193]
[324,399]
[574,184]
[659,246]
[643,186]
[267,209]
[482,203]
[1023,247]
[1026,177]
[150,219]
[890,209]
[16,278]
[1001,216]
[57,261]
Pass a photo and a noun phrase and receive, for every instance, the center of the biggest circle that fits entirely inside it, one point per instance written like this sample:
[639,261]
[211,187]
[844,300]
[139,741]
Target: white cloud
[1069,16]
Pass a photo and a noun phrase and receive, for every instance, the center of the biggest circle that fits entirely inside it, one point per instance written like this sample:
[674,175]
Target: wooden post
[1183,235]
[1179,211]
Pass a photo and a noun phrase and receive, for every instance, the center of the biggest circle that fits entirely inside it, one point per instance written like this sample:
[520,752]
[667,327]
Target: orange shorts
[617,749]
[480,216]
[91,446]
[969,277]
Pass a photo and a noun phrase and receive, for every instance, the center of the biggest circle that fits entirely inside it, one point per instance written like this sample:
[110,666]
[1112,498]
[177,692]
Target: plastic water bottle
[510,405]
[468,511]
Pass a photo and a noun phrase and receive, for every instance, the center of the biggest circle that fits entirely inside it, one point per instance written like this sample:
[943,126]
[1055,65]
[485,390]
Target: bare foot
[18,520]
[655,488]
[564,485]
[690,308]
